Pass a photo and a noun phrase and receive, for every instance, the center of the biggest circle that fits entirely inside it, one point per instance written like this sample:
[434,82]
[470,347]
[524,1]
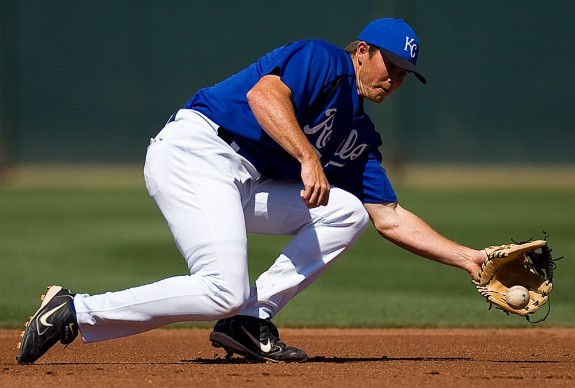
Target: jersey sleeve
[376,185]
[308,68]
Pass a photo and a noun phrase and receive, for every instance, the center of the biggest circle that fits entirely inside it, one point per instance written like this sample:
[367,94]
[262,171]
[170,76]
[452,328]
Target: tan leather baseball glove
[517,264]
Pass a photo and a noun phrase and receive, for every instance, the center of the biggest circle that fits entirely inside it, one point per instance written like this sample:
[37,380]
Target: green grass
[95,237]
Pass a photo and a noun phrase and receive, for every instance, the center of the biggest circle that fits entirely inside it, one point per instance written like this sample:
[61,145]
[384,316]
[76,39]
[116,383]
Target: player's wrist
[474,263]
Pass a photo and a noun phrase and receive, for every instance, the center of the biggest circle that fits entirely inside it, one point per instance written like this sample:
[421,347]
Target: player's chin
[377,98]
[378,95]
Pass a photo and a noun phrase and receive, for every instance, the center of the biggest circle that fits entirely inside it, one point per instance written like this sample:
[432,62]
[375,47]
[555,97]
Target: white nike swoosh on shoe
[264,348]
[45,316]
[267,347]
[68,334]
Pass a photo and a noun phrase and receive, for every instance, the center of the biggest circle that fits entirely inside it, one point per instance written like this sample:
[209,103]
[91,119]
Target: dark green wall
[94,80]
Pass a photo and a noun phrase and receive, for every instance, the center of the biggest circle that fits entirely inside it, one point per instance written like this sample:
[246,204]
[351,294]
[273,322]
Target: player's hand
[315,185]
[473,266]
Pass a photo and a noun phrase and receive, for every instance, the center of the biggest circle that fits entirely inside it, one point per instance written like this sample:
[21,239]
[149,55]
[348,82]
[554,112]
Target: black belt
[223,133]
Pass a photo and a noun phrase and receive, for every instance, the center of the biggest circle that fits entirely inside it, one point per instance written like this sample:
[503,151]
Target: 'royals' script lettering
[348,149]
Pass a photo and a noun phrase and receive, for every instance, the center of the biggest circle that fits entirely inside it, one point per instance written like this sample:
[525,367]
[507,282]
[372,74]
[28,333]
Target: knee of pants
[230,298]
[349,214]
[359,219]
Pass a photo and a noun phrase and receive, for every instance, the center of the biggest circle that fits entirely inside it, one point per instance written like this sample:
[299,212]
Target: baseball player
[283,147]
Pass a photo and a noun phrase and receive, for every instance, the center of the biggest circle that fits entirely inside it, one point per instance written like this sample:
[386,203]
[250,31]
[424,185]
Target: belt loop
[172,118]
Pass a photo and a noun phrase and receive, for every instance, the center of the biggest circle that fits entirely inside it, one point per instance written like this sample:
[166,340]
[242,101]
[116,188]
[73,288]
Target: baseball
[517,297]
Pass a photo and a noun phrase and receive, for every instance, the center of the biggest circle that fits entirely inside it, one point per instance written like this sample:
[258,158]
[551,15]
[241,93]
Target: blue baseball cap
[397,42]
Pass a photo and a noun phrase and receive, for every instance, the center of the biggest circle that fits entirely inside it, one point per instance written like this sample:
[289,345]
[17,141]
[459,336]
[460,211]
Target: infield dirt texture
[338,358]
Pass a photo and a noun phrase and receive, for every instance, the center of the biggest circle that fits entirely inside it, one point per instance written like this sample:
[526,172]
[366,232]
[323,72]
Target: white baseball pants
[211,197]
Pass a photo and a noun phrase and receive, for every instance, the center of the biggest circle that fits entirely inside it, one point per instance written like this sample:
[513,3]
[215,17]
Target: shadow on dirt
[322,359]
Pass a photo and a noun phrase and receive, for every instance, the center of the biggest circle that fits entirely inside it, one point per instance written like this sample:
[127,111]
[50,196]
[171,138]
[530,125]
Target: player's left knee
[349,214]
[359,218]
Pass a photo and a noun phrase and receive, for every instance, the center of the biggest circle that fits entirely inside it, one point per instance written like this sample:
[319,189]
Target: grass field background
[94,229]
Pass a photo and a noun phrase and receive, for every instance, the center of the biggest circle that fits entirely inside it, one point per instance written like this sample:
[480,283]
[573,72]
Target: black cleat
[253,338]
[54,321]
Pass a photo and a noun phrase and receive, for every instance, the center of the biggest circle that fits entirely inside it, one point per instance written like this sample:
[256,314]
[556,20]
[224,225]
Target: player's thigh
[199,198]
[276,207]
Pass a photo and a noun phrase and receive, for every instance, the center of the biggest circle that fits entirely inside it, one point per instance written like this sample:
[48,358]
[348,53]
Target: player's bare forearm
[270,102]
[410,232]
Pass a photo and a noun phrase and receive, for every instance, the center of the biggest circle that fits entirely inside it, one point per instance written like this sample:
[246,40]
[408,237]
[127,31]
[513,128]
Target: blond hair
[351,48]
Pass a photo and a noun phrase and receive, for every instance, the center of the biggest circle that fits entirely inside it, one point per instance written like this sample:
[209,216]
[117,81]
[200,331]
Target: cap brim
[402,63]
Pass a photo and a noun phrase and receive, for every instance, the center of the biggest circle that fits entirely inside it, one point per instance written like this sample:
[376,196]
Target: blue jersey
[330,112]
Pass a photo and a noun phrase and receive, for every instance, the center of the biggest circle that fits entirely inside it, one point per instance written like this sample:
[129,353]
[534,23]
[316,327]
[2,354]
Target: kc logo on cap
[410,46]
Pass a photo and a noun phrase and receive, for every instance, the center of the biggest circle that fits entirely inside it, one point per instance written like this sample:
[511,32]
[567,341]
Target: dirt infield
[338,358]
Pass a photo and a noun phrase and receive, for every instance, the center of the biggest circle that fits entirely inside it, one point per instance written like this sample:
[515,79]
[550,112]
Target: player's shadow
[318,359]
[323,359]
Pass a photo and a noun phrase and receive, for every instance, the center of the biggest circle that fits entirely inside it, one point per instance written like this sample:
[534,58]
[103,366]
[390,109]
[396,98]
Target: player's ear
[362,51]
